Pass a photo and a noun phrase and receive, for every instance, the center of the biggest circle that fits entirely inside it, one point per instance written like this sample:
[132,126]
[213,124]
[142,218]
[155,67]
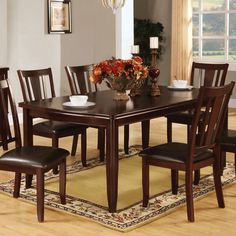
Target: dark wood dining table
[109,114]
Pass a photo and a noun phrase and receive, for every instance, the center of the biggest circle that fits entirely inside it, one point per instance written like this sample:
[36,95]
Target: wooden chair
[5,134]
[200,151]
[78,77]
[202,74]
[228,144]
[30,160]
[38,84]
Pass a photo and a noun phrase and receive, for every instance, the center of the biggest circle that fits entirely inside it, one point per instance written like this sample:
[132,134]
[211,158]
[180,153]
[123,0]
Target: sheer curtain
[181,39]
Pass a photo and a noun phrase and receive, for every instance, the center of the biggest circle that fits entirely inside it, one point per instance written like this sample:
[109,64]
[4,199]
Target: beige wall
[29,45]
[3,32]
[92,38]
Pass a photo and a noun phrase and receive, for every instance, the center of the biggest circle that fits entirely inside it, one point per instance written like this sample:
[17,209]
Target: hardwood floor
[19,218]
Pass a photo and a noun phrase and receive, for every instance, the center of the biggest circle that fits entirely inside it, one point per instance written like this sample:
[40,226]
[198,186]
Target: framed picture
[59,16]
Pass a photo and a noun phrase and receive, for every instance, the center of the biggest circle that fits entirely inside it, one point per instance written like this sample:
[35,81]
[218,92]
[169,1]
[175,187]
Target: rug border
[115,225]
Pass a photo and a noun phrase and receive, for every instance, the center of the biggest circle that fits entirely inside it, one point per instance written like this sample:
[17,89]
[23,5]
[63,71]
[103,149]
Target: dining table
[103,111]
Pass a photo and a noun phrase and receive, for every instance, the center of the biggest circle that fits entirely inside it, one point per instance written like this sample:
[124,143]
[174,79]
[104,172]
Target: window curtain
[181,39]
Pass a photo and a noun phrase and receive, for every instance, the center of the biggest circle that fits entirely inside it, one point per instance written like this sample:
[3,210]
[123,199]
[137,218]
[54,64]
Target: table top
[105,107]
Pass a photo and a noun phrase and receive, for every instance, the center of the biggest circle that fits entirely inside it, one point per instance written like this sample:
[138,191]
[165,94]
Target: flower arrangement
[120,74]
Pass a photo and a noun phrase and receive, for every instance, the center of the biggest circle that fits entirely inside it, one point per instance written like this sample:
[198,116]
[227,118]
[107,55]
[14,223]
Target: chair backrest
[4,73]
[209,117]
[204,74]
[5,131]
[78,77]
[9,113]
[36,84]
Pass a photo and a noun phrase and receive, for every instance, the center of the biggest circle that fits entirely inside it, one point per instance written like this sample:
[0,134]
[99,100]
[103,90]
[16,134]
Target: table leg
[112,164]
[28,139]
[145,133]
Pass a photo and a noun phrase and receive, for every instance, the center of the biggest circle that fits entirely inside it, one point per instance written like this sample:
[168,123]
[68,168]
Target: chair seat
[36,156]
[228,137]
[173,152]
[184,117]
[228,140]
[57,127]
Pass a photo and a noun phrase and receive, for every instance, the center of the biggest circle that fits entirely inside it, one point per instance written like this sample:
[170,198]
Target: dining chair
[78,77]
[228,144]
[37,85]
[200,151]
[5,134]
[31,160]
[202,74]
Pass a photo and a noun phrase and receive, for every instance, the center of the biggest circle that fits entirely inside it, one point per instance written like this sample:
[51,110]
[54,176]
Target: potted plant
[143,30]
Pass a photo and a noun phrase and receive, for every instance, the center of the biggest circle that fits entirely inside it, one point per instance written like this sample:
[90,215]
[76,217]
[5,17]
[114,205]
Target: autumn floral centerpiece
[120,75]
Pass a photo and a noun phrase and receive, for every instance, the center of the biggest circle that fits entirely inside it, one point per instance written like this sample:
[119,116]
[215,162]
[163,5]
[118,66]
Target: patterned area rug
[127,218]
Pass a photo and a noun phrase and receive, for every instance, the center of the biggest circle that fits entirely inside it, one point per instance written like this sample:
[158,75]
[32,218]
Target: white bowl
[78,100]
[180,83]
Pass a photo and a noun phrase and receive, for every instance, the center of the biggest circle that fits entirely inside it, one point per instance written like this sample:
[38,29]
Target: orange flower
[120,73]
[138,59]
[97,71]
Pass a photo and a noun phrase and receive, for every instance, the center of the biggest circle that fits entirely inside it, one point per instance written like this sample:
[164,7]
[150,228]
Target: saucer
[87,104]
[188,87]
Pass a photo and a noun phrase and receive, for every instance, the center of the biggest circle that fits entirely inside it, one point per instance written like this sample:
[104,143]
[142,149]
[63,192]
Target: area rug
[128,216]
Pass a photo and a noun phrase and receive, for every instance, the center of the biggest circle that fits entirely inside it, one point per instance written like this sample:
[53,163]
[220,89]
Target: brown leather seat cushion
[229,136]
[36,156]
[184,117]
[173,152]
[57,127]
[228,140]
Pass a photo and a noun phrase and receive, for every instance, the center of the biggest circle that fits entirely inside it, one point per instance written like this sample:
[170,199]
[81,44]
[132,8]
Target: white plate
[189,87]
[87,104]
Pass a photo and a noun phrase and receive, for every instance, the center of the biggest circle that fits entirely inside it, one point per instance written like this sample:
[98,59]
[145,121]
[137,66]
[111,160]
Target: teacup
[78,100]
[179,83]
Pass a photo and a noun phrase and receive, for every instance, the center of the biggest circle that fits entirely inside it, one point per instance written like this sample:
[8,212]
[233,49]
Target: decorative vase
[120,95]
[154,73]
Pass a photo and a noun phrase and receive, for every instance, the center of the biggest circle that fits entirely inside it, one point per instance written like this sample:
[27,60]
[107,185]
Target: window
[214,30]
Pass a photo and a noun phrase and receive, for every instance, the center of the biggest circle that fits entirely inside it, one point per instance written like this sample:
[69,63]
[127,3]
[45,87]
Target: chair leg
[55,144]
[197,176]
[40,194]
[62,182]
[28,180]
[55,141]
[169,131]
[126,139]
[145,182]
[189,195]
[218,184]
[101,140]
[174,181]
[5,146]
[74,144]
[188,131]
[3,138]
[235,162]
[222,161]
[16,192]
[84,147]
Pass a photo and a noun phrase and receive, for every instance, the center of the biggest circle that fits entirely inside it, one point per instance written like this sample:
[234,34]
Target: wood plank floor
[19,218]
